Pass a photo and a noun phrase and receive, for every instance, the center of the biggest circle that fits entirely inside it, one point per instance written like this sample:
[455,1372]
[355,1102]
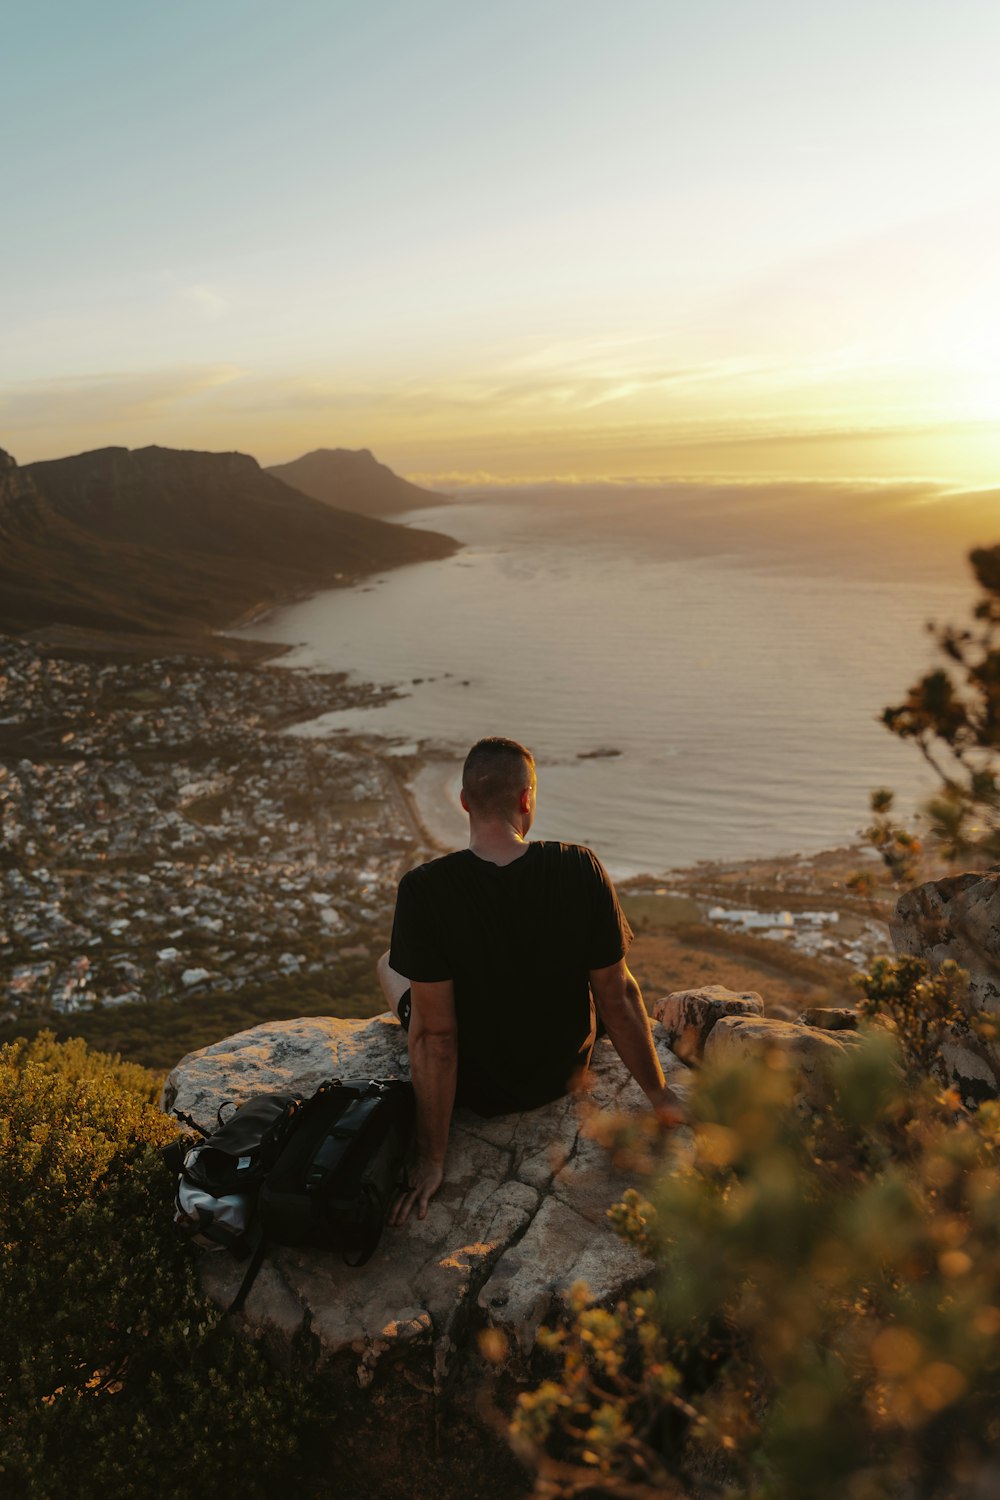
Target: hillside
[354,480]
[52,570]
[160,539]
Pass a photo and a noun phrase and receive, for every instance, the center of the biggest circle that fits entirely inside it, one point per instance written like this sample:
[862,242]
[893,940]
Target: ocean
[698,670]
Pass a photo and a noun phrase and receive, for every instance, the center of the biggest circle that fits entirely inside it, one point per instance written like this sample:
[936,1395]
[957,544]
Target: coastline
[711,764]
[426,783]
[427,780]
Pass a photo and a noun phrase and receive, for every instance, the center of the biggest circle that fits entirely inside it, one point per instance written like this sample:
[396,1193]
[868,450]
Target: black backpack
[320,1172]
[336,1178]
[220,1175]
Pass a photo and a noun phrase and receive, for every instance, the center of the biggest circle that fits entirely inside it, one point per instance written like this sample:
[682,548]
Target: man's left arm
[619,1003]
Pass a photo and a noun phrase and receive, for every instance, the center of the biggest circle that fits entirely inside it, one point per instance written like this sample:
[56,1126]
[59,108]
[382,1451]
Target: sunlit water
[738,673]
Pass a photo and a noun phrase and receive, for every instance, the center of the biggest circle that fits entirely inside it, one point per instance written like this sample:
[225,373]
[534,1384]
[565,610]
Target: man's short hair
[495,773]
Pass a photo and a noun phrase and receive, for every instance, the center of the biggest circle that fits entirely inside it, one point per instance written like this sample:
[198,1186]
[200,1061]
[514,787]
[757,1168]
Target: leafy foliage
[952,715]
[924,1006]
[112,1369]
[825,1321]
[900,849]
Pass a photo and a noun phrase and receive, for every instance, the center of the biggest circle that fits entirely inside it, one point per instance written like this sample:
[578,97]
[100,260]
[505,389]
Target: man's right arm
[433,1046]
[619,1003]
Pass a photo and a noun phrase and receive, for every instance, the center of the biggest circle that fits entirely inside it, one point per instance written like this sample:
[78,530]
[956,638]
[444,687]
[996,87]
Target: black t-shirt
[518,941]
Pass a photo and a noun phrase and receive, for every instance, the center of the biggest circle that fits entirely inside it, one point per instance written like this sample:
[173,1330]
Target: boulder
[521,1215]
[959,918]
[956,918]
[831,1017]
[809,1050]
[688,1016]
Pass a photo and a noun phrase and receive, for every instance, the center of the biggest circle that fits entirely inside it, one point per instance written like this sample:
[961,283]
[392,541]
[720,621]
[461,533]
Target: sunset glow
[656,241]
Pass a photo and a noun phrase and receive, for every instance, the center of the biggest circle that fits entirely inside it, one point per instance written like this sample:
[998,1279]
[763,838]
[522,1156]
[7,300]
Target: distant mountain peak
[346,453]
[353,479]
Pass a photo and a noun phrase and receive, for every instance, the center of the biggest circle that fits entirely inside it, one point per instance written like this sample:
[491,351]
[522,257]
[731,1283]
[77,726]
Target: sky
[754,239]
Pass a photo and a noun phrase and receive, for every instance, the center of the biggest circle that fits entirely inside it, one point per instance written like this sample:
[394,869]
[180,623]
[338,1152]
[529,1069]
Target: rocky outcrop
[688,1016]
[521,1216]
[807,1050]
[959,919]
[956,918]
[718,1025]
[831,1017]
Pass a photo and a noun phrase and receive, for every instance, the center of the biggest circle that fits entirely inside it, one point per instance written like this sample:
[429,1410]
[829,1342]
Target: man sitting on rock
[496,952]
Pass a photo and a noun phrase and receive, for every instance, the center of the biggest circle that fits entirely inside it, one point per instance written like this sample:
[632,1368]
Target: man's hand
[427,1178]
[668,1109]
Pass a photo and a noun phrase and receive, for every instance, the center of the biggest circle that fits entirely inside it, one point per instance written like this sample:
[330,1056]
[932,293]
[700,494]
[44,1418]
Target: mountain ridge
[161,539]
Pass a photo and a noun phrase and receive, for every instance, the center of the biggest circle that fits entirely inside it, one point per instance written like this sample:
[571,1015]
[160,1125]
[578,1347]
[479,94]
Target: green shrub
[825,1321]
[155,1033]
[952,715]
[115,1378]
[924,1006]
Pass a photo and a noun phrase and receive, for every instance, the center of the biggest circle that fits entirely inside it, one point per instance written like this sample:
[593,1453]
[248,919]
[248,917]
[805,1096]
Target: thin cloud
[107,399]
[911,492]
[208,299]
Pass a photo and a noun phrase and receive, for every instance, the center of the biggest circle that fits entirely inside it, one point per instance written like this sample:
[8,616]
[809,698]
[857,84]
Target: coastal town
[162,837]
[166,838]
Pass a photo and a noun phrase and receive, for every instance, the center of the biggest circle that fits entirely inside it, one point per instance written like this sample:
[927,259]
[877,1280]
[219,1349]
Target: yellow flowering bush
[115,1379]
[824,1323]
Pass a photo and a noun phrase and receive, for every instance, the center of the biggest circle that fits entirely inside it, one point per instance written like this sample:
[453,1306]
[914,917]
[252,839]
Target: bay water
[698,671]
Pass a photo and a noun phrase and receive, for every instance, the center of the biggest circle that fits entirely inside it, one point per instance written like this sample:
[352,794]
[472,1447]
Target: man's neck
[498,843]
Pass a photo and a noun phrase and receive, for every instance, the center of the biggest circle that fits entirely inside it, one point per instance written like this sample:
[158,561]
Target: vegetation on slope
[824,1321]
[115,1378]
[952,715]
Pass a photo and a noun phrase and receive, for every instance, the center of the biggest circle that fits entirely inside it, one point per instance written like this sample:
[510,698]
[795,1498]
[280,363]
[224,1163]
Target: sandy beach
[434,788]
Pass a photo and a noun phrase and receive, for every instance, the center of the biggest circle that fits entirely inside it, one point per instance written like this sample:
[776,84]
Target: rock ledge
[519,1219]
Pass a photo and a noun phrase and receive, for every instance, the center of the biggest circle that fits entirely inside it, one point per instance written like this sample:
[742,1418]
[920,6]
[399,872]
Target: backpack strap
[188,1120]
[367,1239]
[338,1142]
[256,1261]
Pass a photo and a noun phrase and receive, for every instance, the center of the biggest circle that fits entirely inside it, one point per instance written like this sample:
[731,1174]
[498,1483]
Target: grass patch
[765,953]
[652,913]
[159,1033]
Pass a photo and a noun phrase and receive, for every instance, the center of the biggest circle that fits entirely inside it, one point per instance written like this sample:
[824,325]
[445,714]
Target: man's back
[499,944]
[518,941]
